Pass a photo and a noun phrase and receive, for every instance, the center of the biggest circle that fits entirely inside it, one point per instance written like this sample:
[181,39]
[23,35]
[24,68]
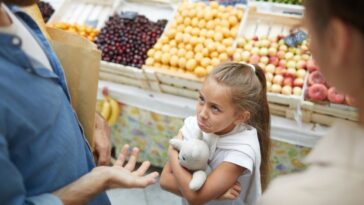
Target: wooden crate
[259,23]
[327,113]
[123,74]
[173,82]
[85,12]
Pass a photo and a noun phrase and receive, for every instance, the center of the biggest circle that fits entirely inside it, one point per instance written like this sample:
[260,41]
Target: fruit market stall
[156,54]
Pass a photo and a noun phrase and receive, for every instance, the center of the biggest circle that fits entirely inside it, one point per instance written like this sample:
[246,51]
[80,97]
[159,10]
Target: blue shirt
[42,146]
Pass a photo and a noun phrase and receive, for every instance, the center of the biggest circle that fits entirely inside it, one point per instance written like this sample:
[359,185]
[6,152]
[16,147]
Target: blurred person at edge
[44,156]
[335,174]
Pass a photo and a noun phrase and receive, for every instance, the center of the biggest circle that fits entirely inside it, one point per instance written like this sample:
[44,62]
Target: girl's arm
[168,181]
[217,182]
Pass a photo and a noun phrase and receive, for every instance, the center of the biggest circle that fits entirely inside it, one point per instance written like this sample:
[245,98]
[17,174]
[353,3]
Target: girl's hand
[232,193]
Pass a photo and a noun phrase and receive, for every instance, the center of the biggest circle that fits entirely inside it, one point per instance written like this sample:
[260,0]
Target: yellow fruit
[115,111]
[198,57]
[180,28]
[149,61]
[174,60]
[194,40]
[106,109]
[232,20]
[230,51]
[181,52]
[182,62]
[214,54]
[184,13]
[164,39]
[200,72]
[151,52]
[173,51]
[223,57]
[188,29]
[220,48]
[187,21]
[191,64]
[205,52]
[214,4]
[227,42]
[209,68]
[234,31]
[171,33]
[172,44]
[189,47]
[157,65]
[192,13]
[224,23]
[165,67]
[211,46]
[189,55]
[179,37]
[173,68]
[181,45]
[210,34]
[165,48]
[195,31]
[205,62]
[158,46]
[210,25]
[202,24]
[165,58]
[194,22]
[218,36]
[186,38]
[215,62]
[203,32]
[201,40]
[198,48]
[157,56]
[208,15]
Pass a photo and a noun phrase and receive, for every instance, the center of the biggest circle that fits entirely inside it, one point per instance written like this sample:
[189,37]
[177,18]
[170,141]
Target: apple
[287,90]
[288,81]
[265,43]
[281,54]
[245,56]
[241,42]
[349,100]
[297,91]
[278,79]
[298,82]
[281,42]
[276,88]
[282,63]
[311,66]
[291,72]
[270,68]
[255,50]
[274,60]
[334,96]
[301,64]
[301,73]
[272,51]
[305,57]
[255,38]
[269,77]
[248,46]
[280,70]
[264,60]
[237,57]
[297,57]
[254,59]
[269,86]
[274,45]
[288,56]
[291,64]
[283,48]
[262,65]
[263,52]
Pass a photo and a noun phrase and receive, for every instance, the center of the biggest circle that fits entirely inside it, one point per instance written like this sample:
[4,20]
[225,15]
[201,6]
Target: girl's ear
[242,117]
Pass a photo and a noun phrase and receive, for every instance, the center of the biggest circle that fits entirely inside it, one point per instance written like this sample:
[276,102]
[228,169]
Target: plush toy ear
[176,143]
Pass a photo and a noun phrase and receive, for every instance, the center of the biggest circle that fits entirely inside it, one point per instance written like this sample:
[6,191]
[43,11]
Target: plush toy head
[193,153]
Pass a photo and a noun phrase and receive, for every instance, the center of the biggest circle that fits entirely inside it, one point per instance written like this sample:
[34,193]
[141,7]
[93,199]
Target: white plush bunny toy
[193,155]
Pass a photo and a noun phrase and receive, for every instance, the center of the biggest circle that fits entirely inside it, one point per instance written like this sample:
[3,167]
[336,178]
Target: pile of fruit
[126,40]
[85,31]
[200,37]
[318,89]
[46,10]
[295,2]
[285,67]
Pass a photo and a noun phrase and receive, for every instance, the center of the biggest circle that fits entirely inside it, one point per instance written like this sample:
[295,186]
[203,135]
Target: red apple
[291,72]
[281,54]
[334,96]
[317,92]
[311,66]
[349,100]
[316,78]
[283,63]
[301,64]
[280,70]
[298,82]
[272,51]
[288,81]
[274,60]
[254,59]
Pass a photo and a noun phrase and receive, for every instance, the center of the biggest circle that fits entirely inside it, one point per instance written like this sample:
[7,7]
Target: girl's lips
[201,125]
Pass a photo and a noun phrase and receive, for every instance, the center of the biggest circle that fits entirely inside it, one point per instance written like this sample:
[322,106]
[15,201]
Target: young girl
[233,108]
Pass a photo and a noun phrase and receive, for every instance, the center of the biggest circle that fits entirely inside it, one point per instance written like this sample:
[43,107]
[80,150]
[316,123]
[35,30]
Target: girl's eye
[215,109]
[201,100]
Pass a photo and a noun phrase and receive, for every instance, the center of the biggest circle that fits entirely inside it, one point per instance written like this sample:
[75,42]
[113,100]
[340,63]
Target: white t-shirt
[240,147]
[28,43]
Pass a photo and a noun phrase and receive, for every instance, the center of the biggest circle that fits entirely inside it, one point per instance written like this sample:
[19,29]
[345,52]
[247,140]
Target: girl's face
[215,110]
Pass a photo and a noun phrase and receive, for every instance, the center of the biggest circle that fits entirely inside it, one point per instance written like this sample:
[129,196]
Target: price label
[128,15]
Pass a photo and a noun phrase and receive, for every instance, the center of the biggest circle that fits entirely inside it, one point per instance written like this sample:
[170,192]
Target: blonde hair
[248,92]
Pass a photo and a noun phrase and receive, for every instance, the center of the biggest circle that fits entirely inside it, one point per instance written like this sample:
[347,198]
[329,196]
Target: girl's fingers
[143,168]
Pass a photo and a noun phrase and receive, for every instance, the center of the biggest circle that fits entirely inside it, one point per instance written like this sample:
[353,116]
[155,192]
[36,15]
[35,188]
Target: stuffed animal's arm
[168,181]
[218,182]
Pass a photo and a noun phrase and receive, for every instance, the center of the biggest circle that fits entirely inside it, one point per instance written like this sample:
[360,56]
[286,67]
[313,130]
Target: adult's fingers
[132,160]
[143,168]
[122,156]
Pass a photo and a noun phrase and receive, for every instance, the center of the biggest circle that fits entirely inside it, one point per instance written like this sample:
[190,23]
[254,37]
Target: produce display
[85,31]
[318,90]
[126,39]
[46,10]
[200,37]
[296,2]
[285,67]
